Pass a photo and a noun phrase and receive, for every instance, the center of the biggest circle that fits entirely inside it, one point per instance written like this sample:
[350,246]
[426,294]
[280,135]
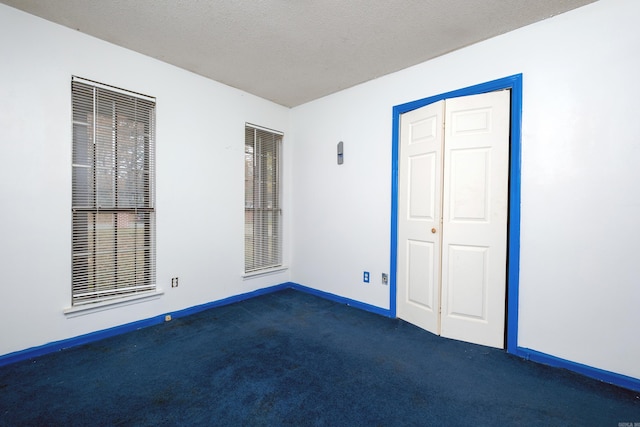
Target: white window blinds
[113,215]
[262,213]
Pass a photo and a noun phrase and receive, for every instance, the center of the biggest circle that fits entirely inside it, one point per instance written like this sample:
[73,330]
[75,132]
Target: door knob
[433,230]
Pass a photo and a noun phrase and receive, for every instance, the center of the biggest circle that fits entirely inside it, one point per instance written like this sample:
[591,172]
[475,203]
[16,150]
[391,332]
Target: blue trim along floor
[293,358]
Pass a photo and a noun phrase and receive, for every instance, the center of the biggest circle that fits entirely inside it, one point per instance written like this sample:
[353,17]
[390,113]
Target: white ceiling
[294,51]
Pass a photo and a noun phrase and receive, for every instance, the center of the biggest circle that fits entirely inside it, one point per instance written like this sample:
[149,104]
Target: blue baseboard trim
[52,347]
[588,371]
[226,301]
[342,300]
[528,354]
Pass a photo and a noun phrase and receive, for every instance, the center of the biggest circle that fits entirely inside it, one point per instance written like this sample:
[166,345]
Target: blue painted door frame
[514,84]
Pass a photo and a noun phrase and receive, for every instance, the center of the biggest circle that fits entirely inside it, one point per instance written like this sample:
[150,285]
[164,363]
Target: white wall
[579,275]
[200,179]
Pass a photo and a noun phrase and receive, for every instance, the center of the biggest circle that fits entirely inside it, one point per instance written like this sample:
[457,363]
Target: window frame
[263,233]
[113,157]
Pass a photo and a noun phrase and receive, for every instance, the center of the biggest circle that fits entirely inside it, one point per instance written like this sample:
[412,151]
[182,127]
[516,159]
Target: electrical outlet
[365,277]
[385,279]
[174,282]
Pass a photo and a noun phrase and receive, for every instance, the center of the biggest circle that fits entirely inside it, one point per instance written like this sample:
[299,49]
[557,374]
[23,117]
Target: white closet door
[419,212]
[475,213]
[452,217]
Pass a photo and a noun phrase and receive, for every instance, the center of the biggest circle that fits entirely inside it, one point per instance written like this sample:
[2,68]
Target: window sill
[81,310]
[264,272]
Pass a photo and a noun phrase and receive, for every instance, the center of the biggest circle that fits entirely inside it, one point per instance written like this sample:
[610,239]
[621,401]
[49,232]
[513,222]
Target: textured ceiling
[294,51]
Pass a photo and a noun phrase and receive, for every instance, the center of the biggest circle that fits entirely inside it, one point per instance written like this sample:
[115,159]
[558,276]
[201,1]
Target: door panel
[420,275]
[419,211]
[422,176]
[468,184]
[474,242]
[467,285]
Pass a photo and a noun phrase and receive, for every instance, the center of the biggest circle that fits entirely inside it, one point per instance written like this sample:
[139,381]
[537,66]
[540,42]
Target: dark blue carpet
[290,358]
